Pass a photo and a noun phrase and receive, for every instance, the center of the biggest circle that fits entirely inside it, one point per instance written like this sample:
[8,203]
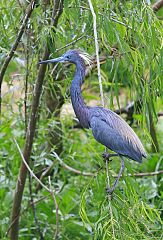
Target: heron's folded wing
[116,134]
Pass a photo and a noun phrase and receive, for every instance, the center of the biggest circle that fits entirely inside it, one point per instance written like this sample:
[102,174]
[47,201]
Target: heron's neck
[81,110]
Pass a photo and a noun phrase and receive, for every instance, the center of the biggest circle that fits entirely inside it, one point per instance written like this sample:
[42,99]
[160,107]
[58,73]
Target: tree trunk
[57,10]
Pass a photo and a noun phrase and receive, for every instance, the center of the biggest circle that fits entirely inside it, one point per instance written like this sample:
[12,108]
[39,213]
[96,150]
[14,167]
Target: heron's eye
[68,57]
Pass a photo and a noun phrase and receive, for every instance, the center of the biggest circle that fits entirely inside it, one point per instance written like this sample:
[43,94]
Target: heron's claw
[109,191]
[106,156]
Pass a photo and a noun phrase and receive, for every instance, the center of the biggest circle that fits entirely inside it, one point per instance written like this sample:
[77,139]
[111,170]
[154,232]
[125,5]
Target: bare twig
[121,23]
[112,19]
[97,51]
[57,211]
[97,60]
[49,190]
[37,224]
[160,114]
[64,165]
[87,174]
[71,43]
[131,107]
[12,51]
[44,173]
[156,6]
[20,4]
[27,166]
[146,174]
[98,66]
[102,96]
[26,79]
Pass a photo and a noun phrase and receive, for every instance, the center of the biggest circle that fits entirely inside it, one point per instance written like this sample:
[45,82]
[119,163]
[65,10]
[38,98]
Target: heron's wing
[112,131]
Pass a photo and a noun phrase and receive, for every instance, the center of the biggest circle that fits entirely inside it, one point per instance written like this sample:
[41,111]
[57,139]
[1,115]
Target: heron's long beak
[59,59]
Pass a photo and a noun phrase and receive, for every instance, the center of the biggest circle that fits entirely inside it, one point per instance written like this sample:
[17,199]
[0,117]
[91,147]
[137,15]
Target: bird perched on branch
[108,128]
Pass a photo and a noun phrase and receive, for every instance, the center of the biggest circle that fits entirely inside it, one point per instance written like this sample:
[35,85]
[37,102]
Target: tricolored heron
[108,128]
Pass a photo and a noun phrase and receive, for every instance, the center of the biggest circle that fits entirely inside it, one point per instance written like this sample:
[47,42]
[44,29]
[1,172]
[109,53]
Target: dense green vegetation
[130,42]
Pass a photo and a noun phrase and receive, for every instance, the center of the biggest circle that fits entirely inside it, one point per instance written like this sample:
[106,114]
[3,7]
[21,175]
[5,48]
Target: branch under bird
[108,128]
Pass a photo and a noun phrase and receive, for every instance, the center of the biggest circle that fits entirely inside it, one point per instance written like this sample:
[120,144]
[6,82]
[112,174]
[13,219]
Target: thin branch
[37,224]
[112,19]
[49,190]
[20,3]
[57,211]
[158,5]
[14,47]
[99,78]
[146,174]
[121,23]
[97,50]
[64,165]
[27,166]
[26,79]
[87,174]
[102,97]
[44,173]
[160,114]
[71,43]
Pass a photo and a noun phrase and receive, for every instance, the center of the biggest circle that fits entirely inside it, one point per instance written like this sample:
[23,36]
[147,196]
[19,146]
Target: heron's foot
[106,156]
[109,191]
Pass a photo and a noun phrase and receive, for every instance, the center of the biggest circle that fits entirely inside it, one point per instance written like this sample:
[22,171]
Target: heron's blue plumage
[113,132]
[107,127]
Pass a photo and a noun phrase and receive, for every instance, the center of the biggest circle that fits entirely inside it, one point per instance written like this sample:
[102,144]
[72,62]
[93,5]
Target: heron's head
[72,56]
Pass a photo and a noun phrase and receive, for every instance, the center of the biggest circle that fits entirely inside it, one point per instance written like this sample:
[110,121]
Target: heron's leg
[111,190]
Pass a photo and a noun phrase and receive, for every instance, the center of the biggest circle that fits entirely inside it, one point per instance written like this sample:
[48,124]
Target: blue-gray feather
[107,127]
[113,132]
